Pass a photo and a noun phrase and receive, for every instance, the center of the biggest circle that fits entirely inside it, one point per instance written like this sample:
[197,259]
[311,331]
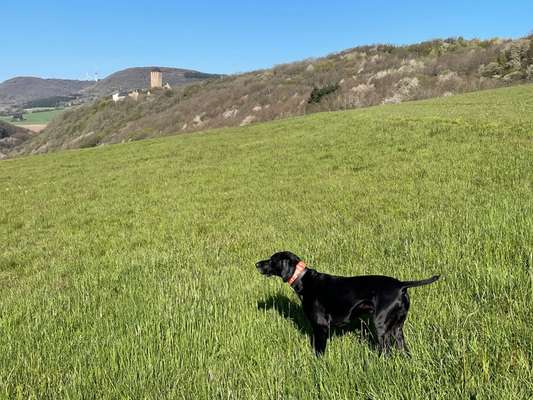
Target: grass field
[127,271]
[35,118]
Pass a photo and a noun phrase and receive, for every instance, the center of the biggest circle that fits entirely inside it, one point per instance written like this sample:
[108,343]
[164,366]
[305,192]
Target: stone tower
[156,78]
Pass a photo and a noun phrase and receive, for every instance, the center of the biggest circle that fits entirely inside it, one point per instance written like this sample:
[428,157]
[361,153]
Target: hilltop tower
[156,78]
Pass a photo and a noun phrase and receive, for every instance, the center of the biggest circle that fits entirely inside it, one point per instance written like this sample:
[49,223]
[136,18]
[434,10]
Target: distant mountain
[139,78]
[31,91]
[20,90]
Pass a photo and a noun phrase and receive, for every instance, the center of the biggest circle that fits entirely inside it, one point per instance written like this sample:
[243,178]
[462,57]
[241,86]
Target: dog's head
[281,264]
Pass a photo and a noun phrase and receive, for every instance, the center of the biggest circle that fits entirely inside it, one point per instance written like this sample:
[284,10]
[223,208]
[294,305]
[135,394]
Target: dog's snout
[262,266]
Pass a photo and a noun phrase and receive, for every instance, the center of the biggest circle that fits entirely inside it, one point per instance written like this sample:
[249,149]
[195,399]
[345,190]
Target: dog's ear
[286,269]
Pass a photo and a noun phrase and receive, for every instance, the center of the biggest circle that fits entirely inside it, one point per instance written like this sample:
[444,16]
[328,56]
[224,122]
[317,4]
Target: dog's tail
[409,284]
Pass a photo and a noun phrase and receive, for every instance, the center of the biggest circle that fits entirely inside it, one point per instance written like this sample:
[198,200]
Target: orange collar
[299,271]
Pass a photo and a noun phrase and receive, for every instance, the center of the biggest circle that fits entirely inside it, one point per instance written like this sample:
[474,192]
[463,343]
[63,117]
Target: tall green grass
[127,271]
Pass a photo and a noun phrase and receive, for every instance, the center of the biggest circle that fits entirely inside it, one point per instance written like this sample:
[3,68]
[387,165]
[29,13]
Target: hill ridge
[352,78]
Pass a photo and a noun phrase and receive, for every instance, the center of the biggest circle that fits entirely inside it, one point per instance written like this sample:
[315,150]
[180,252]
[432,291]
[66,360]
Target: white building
[119,96]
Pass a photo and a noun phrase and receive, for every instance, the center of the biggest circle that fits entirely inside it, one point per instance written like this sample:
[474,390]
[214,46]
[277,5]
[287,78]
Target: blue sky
[70,39]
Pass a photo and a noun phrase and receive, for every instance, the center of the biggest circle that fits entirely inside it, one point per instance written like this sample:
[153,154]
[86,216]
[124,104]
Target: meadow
[127,271]
[36,117]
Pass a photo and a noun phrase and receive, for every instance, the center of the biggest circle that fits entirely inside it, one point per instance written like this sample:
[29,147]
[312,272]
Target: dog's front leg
[320,338]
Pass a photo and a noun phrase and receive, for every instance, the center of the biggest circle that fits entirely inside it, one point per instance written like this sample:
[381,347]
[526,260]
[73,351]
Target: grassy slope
[128,270]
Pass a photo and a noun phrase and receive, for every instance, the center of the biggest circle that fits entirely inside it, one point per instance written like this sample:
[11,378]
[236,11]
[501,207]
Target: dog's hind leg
[381,335]
[397,330]
[400,339]
[387,343]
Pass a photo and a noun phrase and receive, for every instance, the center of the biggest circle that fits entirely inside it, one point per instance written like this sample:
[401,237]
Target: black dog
[334,301]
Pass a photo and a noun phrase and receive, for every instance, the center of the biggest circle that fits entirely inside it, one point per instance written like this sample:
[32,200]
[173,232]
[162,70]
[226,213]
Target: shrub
[169,93]
[529,72]
[529,55]
[490,70]
[513,76]
[318,93]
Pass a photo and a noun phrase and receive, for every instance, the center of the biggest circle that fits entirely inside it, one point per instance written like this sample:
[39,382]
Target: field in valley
[36,120]
[127,271]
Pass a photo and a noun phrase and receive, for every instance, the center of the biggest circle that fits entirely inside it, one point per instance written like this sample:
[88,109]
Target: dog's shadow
[293,312]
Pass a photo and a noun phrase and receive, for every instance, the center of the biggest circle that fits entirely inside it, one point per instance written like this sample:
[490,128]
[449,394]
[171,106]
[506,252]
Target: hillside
[21,90]
[354,78]
[128,270]
[11,136]
[139,78]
